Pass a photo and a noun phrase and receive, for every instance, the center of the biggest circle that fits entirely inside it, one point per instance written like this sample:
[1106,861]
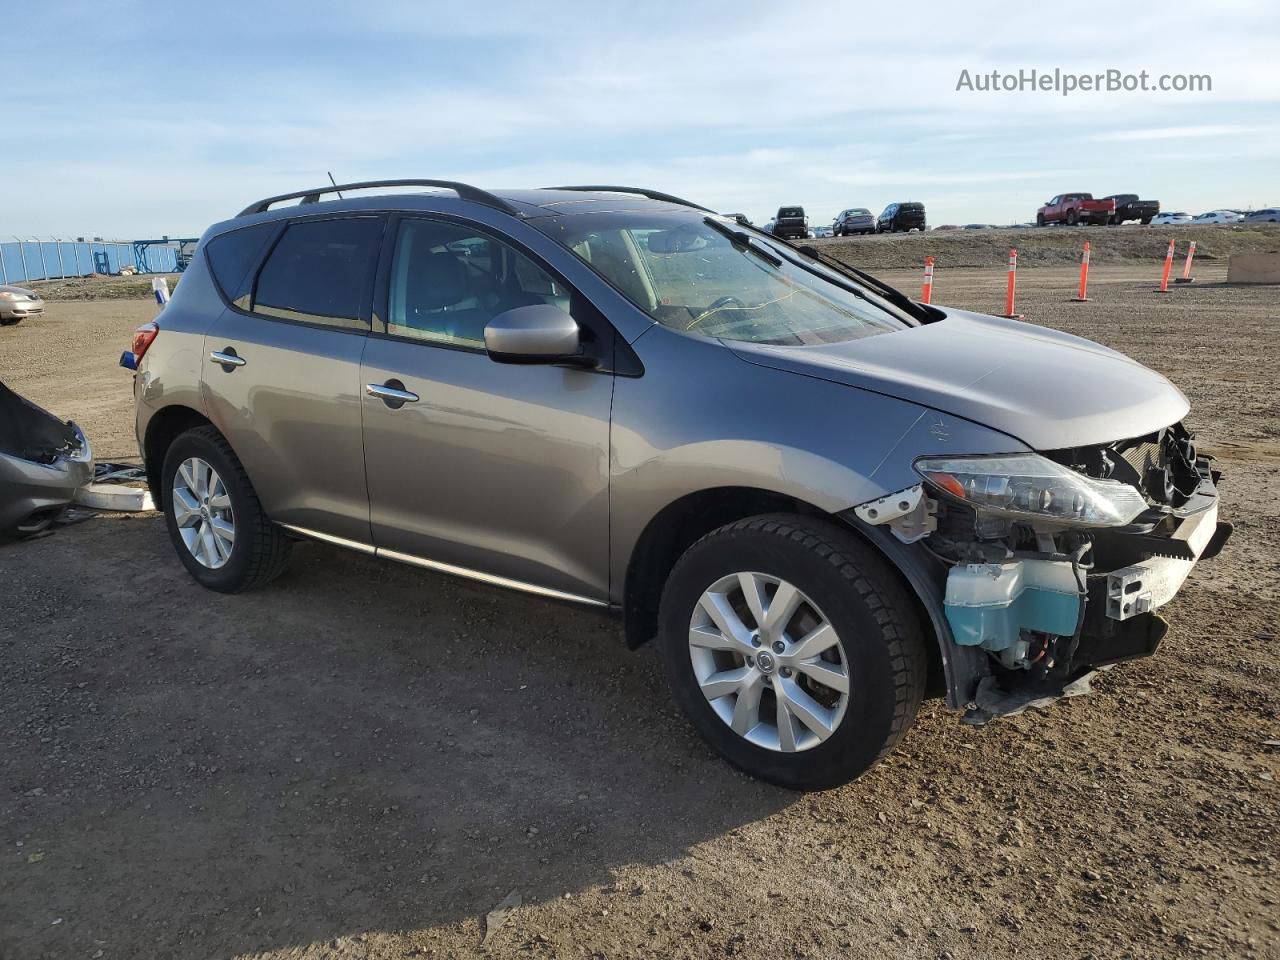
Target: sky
[138,119]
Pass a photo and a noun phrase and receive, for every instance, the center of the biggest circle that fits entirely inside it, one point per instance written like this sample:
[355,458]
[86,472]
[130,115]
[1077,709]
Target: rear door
[281,371]
[493,470]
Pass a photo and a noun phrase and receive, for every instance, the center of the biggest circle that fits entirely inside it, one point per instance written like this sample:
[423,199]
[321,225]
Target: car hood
[1048,389]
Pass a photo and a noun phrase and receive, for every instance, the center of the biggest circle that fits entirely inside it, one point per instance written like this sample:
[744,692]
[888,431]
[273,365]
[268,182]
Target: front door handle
[228,358]
[392,393]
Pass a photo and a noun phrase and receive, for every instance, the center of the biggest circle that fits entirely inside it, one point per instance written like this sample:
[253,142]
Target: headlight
[1029,485]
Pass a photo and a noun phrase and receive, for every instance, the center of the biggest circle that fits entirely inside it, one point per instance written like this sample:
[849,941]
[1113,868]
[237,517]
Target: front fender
[712,420]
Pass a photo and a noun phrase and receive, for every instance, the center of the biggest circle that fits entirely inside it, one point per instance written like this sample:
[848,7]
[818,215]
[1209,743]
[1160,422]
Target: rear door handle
[228,358]
[392,393]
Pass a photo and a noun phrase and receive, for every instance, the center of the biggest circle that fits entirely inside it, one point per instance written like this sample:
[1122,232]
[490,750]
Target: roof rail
[639,191]
[463,190]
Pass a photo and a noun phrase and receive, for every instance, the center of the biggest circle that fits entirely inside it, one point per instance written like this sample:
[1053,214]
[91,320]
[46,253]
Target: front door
[488,469]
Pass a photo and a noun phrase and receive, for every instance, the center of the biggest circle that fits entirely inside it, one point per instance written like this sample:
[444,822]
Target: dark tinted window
[319,271]
[791,212]
[232,257]
[912,206]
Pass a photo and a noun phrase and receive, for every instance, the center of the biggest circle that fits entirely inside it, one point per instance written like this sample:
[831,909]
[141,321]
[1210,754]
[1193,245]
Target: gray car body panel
[712,420]
[31,488]
[1049,389]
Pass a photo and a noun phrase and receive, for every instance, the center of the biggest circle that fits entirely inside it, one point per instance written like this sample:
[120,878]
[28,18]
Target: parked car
[902,217]
[857,220]
[43,462]
[978,226]
[822,230]
[636,412]
[1171,219]
[18,303]
[1269,215]
[791,224]
[1216,216]
[1129,207]
[1073,208]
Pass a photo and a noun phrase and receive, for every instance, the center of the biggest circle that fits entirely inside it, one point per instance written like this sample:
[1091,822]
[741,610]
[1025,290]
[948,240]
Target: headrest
[435,281]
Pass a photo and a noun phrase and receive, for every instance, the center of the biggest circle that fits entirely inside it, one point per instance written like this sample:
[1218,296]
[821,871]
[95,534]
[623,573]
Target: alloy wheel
[769,662]
[202,512]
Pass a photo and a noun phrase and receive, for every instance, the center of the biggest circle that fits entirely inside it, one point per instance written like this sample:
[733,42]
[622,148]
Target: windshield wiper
[891,294]
[740,238]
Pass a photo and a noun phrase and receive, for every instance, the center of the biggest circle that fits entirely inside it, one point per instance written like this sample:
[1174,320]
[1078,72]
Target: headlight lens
[1029,485]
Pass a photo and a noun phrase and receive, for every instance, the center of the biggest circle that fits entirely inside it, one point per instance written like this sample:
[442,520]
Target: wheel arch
[165,426]
[684,521]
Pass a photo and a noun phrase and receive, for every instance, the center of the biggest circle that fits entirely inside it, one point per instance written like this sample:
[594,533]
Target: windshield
[721,281]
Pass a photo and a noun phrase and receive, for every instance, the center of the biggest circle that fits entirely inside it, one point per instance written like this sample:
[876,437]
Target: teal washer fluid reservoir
[989,604]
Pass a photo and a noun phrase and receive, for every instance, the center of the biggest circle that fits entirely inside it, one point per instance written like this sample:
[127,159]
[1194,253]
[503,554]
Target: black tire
[879,630]
[1039,219]
[1071,218]
[10,321]
[1146,221]
[261,549]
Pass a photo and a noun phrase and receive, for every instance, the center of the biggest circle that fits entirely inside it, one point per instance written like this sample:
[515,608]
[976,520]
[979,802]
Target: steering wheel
[715,307]
[724,302]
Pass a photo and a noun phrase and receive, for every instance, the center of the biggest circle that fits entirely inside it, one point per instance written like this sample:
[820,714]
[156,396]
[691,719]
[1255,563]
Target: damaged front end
[43,462]
[1050,565]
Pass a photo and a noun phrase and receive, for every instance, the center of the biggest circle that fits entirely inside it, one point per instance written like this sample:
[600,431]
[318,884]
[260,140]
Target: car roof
[527,204]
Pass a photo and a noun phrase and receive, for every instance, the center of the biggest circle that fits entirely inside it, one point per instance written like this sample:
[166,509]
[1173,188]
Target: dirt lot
[1051,246]
[363,759]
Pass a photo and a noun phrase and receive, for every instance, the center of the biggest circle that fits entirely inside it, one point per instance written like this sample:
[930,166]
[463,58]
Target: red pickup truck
[1073,208]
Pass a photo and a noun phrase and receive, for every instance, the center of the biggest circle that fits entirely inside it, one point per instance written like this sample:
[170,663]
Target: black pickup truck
[1129,207]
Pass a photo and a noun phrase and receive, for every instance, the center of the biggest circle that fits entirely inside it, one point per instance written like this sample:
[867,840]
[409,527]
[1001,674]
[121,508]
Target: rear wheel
[1071,218]
[792,649]
[214,518]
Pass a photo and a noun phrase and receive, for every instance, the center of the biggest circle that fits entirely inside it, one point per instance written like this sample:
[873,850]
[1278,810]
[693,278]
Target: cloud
[749,104]
[1180,133]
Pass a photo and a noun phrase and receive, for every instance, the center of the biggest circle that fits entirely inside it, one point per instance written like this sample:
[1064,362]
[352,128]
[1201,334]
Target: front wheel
[793,649]
[214,518]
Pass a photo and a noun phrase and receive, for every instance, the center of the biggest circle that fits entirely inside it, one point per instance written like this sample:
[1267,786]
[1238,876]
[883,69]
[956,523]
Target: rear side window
[232,256]
[320,272]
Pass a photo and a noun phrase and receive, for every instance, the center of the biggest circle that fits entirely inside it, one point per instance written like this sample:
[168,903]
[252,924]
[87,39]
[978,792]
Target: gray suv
[824,500]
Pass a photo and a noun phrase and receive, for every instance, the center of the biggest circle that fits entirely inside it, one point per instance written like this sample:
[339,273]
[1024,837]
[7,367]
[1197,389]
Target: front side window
[692,277]
[449,281]
[319,272]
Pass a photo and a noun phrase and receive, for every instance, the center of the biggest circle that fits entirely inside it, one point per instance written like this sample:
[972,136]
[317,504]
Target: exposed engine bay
[1055,563]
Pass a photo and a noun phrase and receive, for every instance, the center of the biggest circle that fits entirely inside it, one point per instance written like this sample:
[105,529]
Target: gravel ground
[363,759]
[1051,246]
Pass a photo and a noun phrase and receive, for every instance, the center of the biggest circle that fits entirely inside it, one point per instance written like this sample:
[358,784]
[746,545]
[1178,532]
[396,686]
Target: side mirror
[538,333]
